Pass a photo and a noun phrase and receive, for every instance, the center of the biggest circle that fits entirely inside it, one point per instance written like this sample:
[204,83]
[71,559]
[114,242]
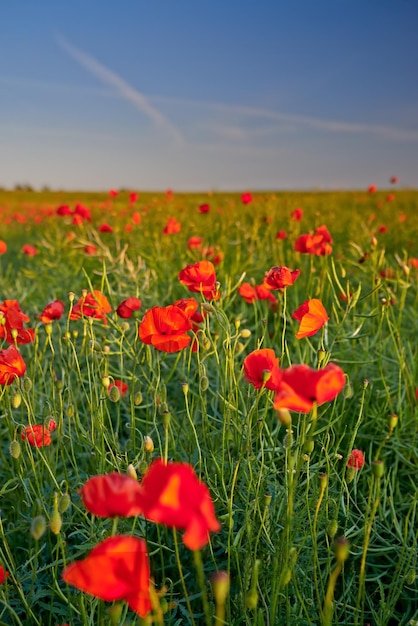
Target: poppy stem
[183,582]
[197,556]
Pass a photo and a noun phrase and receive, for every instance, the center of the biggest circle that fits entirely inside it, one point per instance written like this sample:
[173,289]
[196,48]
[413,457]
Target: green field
[304,538]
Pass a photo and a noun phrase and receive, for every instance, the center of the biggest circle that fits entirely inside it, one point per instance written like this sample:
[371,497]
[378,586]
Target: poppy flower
[63,210]
[29,250]
[3,247]
[105,228]
[172,226]
[246,198]
[82,212]
[213,254]
[90,249]
[119,384]
[174,496]
[194,242]
[263,292]
[372,189]
[37,435]
[116,569]
[204,208]
[301,386]
[297,215]
[53,311]
[394,180]
[3,574]
[383,229]
[356,459]
[133,197]
[318,243]
[189,306]
[279,277]
[12,365]
[281,234]
[127,307]
[312,316]
[113,193]
[12,321]
[136,217]
[200,277]
[165,328]
[390,197]
[112,495]
[261,369]
[248,292]
[90,304]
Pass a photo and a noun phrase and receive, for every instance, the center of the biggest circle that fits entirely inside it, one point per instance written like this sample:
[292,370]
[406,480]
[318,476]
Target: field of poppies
[209,408]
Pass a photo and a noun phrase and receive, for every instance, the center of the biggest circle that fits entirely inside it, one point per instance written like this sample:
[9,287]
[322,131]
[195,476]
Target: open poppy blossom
[12,320]
[105,228]
[12,365]
[302,386]
[82,212]
[372,189]
[90,304]
[279,277]
[246,198]
[53,311]
[200,277]
[312,316]
[281,234]
[112,495]
[3,574]
[261,369]
[172,226]
[29,250]
[127,307]
[356,459]
[297,215]
[194,242]
[204,208]
[37,435]
[318,243]
[133,197]
[165,328]
[116,569]
[174,496]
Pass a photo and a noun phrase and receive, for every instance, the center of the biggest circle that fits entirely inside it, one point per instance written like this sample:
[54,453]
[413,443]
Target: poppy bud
[220,586]
[410,577]
[323,480]
[15,449]
[138,398]
[38,527]
[378,469]
[309,446]
[27,384]
[106,382]
[393,421]
[240,347]
[322,355]
[70,410]
[71,296]
[245,333]
[64,502]
[204,383]
[341,549]
[148,444]
[185,388]
[14,333]
[332,528]
[48,328]
[166,417]
[131,471]
[251,599]
[114,394]
[16,400]
[284,417]
[55,522]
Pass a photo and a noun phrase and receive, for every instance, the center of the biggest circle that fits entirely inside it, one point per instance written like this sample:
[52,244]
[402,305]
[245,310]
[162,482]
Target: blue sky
[192,95]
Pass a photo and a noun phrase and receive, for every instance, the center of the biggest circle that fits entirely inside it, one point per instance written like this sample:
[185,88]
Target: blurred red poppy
[246,198]
[112,495]
[174,496]
[279,277]
[127,307]
[94,305]
[12,321]
[37,435]
[53,311]
[194,242]
[312,316]
[372,189]
[90,249]
[136,217]
[12,365]
[83,212]
[383,229]
[394,180]
[204,208]
[3,574]
[281,234]
[200,277]
[172,226]
[301,386]
[356,459]
[261,369]
[116,569]
[105,228]
[248,292]
[213,254]
[133,197]
[113,193]
[297,215]
[3,247]
[318,244]
[390,197]
[29,250]
[64,209]
[165,328]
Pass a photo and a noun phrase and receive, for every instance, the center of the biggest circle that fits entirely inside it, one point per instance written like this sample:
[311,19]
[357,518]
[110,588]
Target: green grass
[279,518]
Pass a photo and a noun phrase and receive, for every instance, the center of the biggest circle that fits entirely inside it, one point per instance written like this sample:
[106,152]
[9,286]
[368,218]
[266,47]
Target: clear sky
[214,94]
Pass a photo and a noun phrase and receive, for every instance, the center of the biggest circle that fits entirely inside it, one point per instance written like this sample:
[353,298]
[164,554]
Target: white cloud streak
[124,89]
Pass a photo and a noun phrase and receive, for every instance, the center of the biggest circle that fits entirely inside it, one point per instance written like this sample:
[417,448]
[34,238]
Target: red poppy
[248,292]
[281,234]
[90,249]
[37,435]
[246,198]
[3,574]
[165,328]
[318,244]
[279,277]
[301,386]
[105,228]
[12,365]
[116,569]
[64,209]
[127,307]
[189,306]
[200,277]
[394,180]
[312,316]
[261,369]
[119,384]
[194,242]
[372,189]
[413,262]
[53,311]
[174,496]
[133,197]
[94,305]
[383,229]
[204,208]
[12,321]
[29,250]
[113,193]
[390,197]
[172,226]
[356,459]
[297,215]
[263,292]
[136,217]
[82,212]
[112,495]
[3,247]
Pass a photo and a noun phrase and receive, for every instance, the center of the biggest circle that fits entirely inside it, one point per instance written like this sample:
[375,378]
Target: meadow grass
[304,539]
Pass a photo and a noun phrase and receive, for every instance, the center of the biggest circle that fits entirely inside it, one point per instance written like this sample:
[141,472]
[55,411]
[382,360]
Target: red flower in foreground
[112,495]
[165,328]
[116,569]
[37,435]
[261,369]
[301,386]
[53,311]
[246,198]
[12,365]
[174,496]
[312,316]
[279,277]
[200,277]
[356,459]
[318,244]
[29,250]
[12,321]
[126,309]
[94,305]
[3,574]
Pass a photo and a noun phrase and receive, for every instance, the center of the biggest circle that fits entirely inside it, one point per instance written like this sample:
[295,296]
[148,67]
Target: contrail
[125,90]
